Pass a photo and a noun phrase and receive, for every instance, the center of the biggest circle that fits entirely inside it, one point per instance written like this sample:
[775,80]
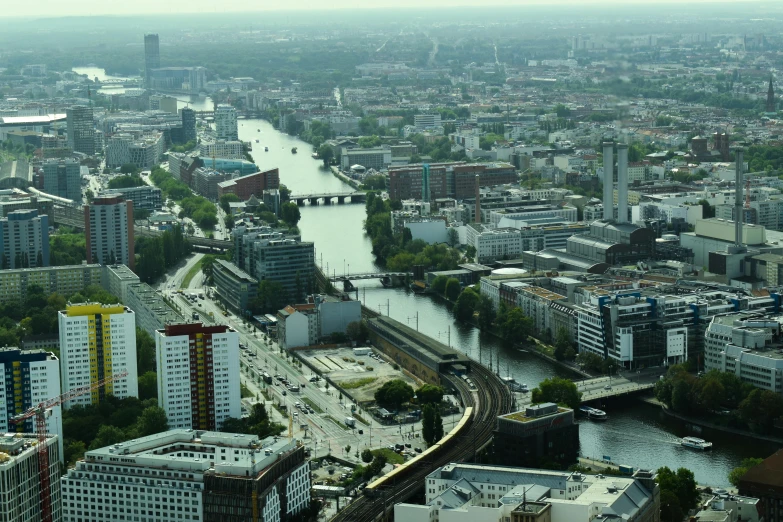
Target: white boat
[696,443]
[593,413]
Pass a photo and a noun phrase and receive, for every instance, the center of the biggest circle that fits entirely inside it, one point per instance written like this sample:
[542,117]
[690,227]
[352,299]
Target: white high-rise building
[108,226]
[198,375]
[226,123]
[96,342]
[20,480]
[189,475]
[24,240]
[27,378]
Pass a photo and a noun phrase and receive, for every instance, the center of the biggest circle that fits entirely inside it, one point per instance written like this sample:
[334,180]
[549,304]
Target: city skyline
[49,8]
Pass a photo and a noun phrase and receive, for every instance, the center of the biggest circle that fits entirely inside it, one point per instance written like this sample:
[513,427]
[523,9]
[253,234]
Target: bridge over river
[327,198]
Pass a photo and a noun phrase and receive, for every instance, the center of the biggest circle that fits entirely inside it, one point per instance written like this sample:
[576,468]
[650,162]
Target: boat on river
[696,443]
[266,149]
[514,386]
[593,413]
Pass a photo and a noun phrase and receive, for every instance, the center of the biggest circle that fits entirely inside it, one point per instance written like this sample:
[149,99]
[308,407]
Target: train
[400,472]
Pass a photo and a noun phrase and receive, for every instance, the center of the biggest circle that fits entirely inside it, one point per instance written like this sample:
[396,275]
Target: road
[598,388]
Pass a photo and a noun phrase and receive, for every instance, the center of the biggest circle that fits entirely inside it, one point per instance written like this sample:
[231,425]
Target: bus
[267,378]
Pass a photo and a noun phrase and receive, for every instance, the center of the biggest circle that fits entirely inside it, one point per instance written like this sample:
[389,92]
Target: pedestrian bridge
[327,198]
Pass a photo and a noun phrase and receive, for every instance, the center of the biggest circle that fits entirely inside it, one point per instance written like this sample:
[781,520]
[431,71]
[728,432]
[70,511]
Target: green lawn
[191,274]
[392,457]
[358,383]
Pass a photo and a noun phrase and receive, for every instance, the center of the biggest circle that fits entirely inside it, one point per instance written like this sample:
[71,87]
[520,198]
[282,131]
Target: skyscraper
[24,240]
[108,227]
[226,123]
[770,97]
[151,57]
[81,129]
[27,378]
[62,178]
[96,342]
[188,124]
[198,375]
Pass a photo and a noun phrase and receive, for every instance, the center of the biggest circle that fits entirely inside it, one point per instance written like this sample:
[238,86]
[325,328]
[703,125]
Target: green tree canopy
[326,153]
[516,327]
[559,391]
[453,289]
[153,420]
[737,473]
[289,212]
[225,199]
[429,394]
[393,394]
[466,304]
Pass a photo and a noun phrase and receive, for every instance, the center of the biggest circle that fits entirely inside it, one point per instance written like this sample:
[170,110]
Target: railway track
[489,399]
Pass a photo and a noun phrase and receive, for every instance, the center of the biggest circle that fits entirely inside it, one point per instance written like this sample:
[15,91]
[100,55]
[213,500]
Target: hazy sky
[49,8]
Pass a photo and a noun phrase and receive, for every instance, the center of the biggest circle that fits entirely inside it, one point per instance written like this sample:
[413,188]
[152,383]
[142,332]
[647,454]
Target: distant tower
[770,96]
[151,57]
[478,199]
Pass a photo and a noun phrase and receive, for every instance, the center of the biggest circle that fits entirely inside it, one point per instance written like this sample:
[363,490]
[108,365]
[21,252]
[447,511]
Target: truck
[361,351]
[350,422]
[625,470]
[267,378]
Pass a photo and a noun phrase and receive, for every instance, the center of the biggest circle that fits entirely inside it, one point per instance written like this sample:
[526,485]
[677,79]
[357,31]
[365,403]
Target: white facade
[426,121]
[494,244]
[20,494]
[222,149]
[476,493]
[164,475]
[297,328]
[38,380]
[117,150]
[96,342]
[226,123]
[430,231]
[111,227]
[506,218]
[177,356]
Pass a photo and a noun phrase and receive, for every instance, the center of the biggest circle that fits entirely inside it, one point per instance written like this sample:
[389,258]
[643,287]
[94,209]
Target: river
[195,102]
[636,434]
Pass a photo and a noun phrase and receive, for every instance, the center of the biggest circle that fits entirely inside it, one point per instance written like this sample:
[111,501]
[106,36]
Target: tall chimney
[478,199]
[608,180]
[622,183]
[738,175]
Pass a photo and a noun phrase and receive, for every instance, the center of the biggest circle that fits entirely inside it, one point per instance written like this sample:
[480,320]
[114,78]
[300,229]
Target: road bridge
[199,243]
[327,198]
[371,275]
[608,387]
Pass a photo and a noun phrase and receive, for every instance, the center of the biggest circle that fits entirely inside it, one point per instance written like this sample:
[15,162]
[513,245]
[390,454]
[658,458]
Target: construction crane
[39,412]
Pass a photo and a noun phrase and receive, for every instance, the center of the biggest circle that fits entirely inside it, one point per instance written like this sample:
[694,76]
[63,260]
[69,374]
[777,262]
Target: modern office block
[24,240]
[189,475]
[188,124]
[108,227]
[235,287]
[62,178]
[288,262]
[151,57]
[98,341]
[226,123]
[81,129]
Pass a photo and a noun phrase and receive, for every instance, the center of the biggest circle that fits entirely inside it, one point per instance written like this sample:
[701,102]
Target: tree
[145,352]
[153,420]
[393,394]
[670,507]
[559,391]
[737,473]
[466,304]
[452,237]
[429,394]
[428,424]
[148,386]
[453,289]
[107,436]
[326,153]
[357,331]
[129,168]
[681,397]
[486,310]
[289,212]
[516,326]
[682,483]
[439,284]
[367,456]
[438,426]
[760,409]
[562,344]
[74,450]
[225,199]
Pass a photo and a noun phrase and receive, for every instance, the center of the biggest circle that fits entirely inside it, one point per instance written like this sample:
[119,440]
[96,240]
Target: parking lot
[359,375]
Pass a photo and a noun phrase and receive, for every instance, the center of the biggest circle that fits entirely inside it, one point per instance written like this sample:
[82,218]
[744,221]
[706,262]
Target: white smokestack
[608,180]
[622,183]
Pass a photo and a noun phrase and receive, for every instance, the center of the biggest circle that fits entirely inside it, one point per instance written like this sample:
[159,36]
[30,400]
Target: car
[361,432]
[285,393]
[417,450]
[608,387]
[407,445]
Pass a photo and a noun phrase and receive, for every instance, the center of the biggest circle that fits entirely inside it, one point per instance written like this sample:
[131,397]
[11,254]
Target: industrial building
[204,391]
[96,342]
[458,492]
[190,475]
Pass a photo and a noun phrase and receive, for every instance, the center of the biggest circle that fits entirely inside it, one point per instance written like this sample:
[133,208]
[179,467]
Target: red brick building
[454,180]
[252,184]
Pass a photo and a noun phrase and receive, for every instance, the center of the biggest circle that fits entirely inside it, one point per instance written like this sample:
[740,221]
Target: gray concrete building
[145,197]
[63,178]
[24,240]
[235,287]
[81,129]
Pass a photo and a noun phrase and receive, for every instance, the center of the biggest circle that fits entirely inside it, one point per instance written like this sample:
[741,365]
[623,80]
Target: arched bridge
[315,199]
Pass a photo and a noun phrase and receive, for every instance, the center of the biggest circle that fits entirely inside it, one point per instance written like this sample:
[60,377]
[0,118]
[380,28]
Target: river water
[636,434]
[195,102]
